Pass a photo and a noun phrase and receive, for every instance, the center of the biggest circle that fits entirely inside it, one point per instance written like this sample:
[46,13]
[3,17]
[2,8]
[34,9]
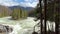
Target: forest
[49,12]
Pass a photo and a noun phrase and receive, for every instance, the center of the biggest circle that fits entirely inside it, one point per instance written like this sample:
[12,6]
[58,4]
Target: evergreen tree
[4,13]
[25,14]
[16,13]
[19,13]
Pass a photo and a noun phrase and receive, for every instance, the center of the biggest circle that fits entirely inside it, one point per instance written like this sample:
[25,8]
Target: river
[24,26]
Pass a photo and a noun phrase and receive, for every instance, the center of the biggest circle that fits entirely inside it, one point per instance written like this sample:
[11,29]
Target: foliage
[18,13]
[52,10]
[4,13]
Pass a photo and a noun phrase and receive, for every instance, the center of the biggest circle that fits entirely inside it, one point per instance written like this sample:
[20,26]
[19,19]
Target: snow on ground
[24,26]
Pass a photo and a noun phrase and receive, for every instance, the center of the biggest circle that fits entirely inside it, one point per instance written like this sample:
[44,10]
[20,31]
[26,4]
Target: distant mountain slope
[23,8]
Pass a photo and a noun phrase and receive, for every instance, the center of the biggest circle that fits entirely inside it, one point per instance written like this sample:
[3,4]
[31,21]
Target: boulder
[4,28]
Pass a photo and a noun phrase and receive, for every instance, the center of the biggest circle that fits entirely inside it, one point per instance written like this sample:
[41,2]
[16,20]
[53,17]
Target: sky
[24,3]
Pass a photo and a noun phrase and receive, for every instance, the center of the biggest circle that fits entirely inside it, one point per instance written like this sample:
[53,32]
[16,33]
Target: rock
[4,28]
[0,31]
[34,33]
[9,29]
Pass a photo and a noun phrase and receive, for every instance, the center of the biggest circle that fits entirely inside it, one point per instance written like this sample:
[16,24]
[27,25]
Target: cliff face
[4,11]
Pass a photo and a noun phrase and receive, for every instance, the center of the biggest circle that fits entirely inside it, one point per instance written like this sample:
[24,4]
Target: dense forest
[52,13]
[19,13]
[4,11]
[52,10]
[16,13]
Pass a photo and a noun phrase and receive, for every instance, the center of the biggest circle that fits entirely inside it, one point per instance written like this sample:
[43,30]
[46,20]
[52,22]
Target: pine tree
[19,13]
[16,13]
[25,14]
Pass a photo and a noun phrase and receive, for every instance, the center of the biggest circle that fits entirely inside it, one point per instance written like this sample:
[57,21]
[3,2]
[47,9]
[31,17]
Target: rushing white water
[16,28]
[19,26]
[23,26]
